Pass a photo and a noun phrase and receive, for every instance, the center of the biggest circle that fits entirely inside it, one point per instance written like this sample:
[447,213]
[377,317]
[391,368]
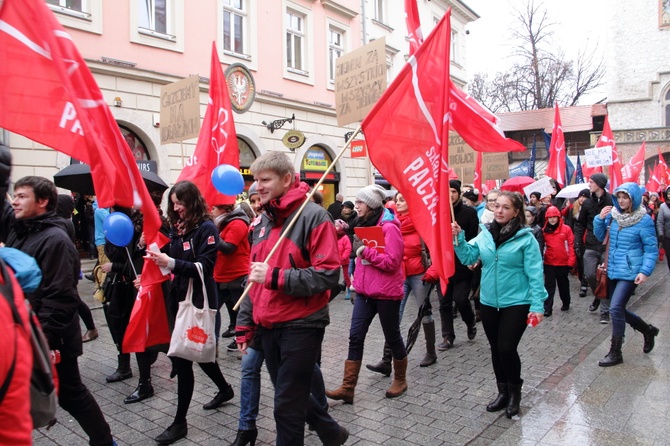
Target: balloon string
[130,259]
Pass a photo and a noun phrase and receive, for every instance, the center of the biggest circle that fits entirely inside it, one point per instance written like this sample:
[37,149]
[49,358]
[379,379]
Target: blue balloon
[118,229]
[227,179]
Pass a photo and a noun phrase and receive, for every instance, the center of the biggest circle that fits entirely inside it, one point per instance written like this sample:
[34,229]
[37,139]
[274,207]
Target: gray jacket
[663,221]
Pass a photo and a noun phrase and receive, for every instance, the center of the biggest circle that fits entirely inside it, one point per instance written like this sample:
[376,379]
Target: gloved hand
[359,251]
[430,277]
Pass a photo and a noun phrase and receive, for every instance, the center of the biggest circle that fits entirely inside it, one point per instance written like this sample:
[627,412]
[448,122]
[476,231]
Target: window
[234,26]
[75,5]
[380,11]
[335,50]
[667,109]
[454,46]
[153,16]
[295,37]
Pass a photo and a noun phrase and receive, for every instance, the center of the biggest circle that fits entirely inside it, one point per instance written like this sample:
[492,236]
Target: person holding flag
[512,290]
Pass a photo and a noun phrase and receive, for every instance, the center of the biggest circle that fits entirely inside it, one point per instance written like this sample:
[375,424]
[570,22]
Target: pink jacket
[381,275]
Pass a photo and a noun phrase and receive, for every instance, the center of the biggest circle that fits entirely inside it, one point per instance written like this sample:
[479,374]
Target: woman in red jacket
[559,258]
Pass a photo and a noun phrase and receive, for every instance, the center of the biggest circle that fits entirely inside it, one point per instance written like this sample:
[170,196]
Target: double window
[154,16]
[295,41]
[335,50]
[234,26]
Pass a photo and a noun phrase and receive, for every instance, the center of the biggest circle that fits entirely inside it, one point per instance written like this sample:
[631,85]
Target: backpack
[43,401]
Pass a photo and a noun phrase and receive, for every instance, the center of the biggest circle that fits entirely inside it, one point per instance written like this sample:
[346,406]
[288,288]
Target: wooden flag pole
[302,207]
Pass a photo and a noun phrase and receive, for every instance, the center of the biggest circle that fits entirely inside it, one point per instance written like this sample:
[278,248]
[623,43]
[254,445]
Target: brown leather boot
[399,385]
[346,391]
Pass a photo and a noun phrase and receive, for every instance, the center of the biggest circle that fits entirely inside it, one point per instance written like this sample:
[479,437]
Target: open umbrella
[517,184]
[572,190]
[77,178]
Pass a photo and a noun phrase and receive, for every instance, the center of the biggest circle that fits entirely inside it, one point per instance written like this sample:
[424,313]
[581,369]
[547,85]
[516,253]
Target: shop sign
[294,139]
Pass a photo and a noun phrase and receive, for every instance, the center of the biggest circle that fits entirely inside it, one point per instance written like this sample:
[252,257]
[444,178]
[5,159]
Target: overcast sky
[489,43]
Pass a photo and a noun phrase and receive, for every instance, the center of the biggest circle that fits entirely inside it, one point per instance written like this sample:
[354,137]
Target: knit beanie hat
[600,179]
[470,195]
[253,189]
[455,184]
[584,193]
[372,195]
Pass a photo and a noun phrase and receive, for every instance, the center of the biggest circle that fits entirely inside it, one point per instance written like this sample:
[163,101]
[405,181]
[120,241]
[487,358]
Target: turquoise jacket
[512,274]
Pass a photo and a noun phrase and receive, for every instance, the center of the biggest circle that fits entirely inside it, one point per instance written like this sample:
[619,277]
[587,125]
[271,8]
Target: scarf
[503,233]
[406,224]
[628,219]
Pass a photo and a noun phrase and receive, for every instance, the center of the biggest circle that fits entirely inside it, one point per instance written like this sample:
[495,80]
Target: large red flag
[217,142]
[49,95]
[607,139]
[662,173]
[631,171]
[557,155]
[407,133]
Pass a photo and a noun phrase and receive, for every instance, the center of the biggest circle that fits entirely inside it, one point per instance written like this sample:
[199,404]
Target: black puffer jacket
[56,300]
[584,224]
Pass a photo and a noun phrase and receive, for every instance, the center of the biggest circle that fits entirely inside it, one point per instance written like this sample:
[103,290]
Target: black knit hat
[455,184]
[584,193]
[600,179]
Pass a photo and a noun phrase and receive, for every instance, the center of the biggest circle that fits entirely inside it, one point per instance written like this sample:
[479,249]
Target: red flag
[489,185]
[473,122]
[50,96]
[148,324]
[607,139]
[557,155]
[588,171]
[217,142]
[653,184]
[413,26]
[407,134]
[662,173]
[477,182]
[631,171]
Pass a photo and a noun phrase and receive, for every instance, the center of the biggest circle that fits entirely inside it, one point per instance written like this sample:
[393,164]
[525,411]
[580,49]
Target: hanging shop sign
[293,139]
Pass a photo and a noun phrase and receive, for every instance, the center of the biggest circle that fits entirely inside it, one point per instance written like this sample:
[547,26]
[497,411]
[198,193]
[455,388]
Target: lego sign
[358,149]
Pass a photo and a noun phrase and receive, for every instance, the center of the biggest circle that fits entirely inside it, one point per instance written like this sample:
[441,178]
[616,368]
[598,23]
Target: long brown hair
[196,207]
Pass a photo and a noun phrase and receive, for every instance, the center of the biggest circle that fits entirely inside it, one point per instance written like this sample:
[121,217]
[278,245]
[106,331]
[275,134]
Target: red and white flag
[631,171]
[607,139]
[477,182]
[217,142]
[407,134]
[557,155]
[653,184]
[413,26]
[662,174]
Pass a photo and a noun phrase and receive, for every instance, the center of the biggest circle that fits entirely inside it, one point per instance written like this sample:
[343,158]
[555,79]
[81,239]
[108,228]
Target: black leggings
[186,382]
[504,328]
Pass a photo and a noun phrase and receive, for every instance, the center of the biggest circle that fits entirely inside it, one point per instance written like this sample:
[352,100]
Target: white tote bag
[193,335]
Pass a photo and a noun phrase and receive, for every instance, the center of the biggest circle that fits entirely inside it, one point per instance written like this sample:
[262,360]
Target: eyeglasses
[491,201]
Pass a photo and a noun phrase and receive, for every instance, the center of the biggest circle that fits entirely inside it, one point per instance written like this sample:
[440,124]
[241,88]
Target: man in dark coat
[40,233]
[588,245]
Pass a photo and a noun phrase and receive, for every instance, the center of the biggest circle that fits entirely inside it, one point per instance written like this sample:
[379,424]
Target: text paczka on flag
[421,174]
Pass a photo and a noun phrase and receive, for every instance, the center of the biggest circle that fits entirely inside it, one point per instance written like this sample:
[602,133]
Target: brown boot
[399,385]
[346,391]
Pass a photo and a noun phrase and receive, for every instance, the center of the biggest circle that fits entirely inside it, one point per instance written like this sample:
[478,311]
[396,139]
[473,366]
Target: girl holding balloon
[193,240]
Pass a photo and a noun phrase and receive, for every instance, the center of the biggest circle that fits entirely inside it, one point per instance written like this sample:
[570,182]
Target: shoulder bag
[193,335]
[601,271]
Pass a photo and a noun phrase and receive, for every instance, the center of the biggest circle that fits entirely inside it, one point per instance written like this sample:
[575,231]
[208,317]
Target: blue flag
[569,170]
[579,178]
[521,170]
[531,162]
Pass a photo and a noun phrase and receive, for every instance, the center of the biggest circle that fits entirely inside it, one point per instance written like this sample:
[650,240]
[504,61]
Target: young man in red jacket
[290,297]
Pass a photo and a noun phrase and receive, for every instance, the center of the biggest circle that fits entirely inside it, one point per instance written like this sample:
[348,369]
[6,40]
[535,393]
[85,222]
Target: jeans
[420,289]
[290,355]
[365,310]
[619,292]
[75,398]
[250,388]
[457,291]
[556,275]
[592,259]
[504,328]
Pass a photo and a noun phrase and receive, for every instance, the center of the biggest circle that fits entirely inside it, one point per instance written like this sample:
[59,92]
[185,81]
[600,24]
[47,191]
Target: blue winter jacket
[511,274]
[633,249]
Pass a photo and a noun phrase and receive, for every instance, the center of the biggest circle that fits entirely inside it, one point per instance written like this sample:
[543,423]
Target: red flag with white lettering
[631,171]
[50,96]
[413,26]
[557,155]
[407,134]
[217,142]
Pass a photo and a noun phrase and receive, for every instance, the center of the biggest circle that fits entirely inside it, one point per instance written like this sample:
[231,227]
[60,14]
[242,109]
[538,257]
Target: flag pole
[299,212]
[453,217]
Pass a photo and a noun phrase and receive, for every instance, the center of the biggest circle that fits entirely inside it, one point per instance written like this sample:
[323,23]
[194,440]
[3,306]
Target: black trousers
[74,397]
[504,328]
[556,275]
[459,292]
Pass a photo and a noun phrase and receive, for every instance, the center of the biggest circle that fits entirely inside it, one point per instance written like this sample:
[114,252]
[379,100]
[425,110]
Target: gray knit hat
[373,196]
[600,179]
[252,189]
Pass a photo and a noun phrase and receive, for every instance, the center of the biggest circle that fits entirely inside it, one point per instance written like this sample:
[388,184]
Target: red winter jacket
[234,234]
[411,257]
[344,250]
[559,245]
[303,270]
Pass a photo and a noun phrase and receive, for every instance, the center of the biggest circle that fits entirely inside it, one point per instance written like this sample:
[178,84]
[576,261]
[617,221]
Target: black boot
[594,305]
[144,390]
[431,356]
[501,400]
[614,356]
[122,370]
[514,399]
[383,366]
[245,437]
[649,333]
[221,397]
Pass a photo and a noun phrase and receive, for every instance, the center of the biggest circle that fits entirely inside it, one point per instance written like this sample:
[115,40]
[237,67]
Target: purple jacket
[381,276]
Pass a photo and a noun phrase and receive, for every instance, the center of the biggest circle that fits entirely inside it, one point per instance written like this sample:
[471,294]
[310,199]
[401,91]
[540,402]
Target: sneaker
[228,333]
[604,318]
[595,305]
[446,344]
[232,347]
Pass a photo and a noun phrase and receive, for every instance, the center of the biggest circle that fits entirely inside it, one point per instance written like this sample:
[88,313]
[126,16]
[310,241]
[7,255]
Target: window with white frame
[85,15]
[454,46]
[335,50]
[154,16]
[295,41]
[380,10]
[75,5]
[235,26]
[666,105]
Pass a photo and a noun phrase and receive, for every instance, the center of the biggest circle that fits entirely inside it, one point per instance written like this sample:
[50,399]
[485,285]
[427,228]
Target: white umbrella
[572,190]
